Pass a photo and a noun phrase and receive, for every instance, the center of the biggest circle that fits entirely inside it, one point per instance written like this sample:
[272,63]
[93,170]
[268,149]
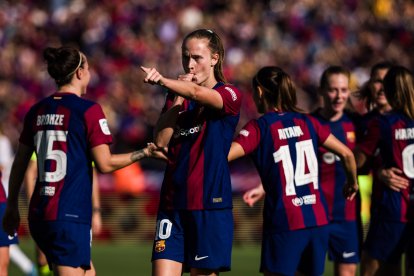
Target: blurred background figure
[17,256]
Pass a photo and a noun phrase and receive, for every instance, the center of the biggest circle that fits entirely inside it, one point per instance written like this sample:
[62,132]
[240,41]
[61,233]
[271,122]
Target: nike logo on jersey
[197,258]
[347,255]
[12,237]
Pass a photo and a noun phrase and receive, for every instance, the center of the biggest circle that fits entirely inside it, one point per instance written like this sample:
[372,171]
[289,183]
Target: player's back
[393,134]
[287,162]
[60,128]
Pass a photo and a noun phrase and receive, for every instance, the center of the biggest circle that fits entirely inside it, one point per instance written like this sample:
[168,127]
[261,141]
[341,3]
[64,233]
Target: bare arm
[236,151]
[189,90]
[164,129]
[30,177]
[11,219]
[348,161]
[107,162]
[96,204]
[360,157]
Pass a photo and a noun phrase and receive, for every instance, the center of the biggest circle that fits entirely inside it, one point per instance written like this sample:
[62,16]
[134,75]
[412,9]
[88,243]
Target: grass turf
[131,259]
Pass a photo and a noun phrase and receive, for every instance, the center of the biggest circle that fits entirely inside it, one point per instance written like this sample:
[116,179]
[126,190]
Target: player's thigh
[169,237]
[344,242]
[64,243]
[386,241]
[209,239]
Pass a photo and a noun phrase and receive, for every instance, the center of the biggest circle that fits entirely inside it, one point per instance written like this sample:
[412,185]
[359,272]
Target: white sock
[20,259]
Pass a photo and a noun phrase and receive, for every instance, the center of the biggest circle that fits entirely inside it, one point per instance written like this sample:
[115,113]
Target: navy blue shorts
[343,246]
[198,239]
[303,250]
[386,240]
[5,239]
[64,243]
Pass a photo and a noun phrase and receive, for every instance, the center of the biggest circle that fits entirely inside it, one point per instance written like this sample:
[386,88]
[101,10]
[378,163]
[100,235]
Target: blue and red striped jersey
[62,129]
[332,172]
[393,134]
[197,176]
[283,147]
[3,197]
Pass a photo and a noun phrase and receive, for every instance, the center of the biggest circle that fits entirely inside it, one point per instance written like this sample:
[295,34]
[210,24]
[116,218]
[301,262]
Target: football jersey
[283,147]
[3,197]
[374,162]
[393,134]
[62,129]
[197,176]
[332,172]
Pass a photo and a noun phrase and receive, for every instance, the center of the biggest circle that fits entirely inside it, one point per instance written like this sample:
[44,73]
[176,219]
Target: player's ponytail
[278,88]
[62,63]
[399,90]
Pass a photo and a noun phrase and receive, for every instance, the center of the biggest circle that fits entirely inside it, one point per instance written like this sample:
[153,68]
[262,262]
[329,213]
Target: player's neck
[69,88]
[330,115]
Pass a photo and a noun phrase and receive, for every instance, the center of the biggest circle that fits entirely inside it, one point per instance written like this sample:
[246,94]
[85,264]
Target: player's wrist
[96,210]
[137,155]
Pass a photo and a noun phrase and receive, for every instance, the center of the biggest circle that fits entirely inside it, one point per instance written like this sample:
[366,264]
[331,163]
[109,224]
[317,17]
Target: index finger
[145,69]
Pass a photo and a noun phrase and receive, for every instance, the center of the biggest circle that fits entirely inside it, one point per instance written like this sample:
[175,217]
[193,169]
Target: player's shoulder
[222,87]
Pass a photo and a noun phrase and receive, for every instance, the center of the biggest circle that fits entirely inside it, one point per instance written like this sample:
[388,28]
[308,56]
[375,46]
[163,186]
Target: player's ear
[79,73]
[260,92]
[214,59]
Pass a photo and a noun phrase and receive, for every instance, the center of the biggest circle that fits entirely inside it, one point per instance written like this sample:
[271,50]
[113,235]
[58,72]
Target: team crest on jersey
[104,126]
[159,246]
[244,132]
[350,136]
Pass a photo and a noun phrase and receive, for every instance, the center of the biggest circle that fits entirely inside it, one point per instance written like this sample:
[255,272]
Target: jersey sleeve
[249,137]
[98,132]
[321,131]
[369,141]
[169,100]
[231,99]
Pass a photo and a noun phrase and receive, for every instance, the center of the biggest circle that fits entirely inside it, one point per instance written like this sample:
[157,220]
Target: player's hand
[393,178]
[253,195]
[11,220]
[350,191]
[154,151]
[96,223]
[153,76]
[186,77]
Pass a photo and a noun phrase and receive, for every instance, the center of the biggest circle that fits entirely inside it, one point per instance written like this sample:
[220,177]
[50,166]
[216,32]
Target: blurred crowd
[303,37]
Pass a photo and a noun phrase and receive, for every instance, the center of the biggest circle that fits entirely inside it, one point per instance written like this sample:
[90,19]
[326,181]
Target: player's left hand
[350,191]
[156,152]
[11,220]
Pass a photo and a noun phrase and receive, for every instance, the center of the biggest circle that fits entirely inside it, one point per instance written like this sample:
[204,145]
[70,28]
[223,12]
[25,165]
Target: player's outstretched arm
[107,162]
[187,89]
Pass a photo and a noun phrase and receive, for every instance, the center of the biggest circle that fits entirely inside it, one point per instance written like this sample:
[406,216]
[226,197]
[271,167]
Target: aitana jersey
[332,172]
[283,147]
[393,134]
[197,175]
[62,129]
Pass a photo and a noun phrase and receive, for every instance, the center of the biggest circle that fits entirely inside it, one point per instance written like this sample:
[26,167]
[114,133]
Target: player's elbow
[104,168]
